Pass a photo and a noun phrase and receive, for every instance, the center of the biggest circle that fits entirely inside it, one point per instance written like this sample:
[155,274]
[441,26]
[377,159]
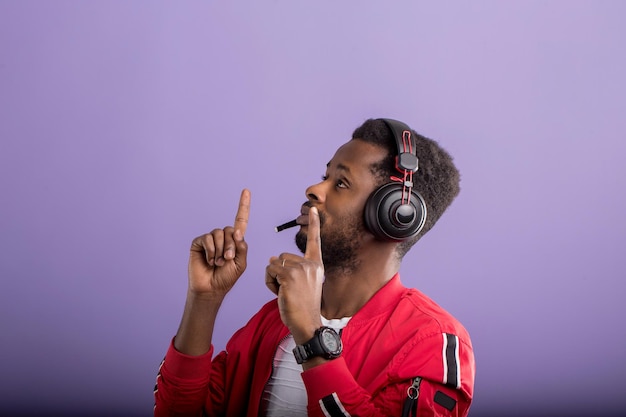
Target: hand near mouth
[297,281]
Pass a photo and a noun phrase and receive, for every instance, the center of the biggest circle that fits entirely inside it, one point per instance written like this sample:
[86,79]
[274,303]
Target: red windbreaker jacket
[398,335]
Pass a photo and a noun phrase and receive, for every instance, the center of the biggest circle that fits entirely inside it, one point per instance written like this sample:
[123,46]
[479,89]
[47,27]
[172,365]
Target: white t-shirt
[284,394]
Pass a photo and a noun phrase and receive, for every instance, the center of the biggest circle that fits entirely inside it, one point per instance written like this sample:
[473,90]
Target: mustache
[321,215]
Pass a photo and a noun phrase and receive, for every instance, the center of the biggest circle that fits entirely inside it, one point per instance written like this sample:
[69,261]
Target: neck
[346,291]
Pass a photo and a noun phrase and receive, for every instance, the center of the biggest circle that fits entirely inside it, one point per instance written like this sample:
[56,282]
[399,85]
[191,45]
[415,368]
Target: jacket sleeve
[201,386]
[182,384]
[333,391]
[438,400]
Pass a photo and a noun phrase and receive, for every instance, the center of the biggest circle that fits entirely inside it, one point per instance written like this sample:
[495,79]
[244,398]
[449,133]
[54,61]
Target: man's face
[340,199]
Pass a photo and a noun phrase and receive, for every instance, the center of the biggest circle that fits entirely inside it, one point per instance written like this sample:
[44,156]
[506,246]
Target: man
[344,337]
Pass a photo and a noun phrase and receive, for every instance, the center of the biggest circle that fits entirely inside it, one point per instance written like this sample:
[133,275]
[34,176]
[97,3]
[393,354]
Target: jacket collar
[386,298]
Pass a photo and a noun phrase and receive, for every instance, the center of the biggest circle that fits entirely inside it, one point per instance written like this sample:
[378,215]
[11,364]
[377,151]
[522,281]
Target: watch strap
[314,348]
[308,350]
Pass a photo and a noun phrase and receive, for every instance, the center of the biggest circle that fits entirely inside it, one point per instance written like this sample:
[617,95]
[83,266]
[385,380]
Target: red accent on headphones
[407,183]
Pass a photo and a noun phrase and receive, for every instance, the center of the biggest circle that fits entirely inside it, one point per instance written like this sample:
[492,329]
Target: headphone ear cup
[388,219]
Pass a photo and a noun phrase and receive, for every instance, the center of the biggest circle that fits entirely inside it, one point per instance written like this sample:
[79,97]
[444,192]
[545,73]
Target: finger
[273,286]
[284,260]
[204,247]
[243,212]
[218,242]
[209,249]
[273,266]
[313,241]
[229,243]
[241,249]
[270,280]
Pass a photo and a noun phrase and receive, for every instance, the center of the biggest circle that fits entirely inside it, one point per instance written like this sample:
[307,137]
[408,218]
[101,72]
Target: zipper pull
[412,394]
[414,390]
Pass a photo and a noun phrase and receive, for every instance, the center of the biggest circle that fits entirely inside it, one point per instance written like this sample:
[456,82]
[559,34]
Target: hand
[218,259]
[298,283]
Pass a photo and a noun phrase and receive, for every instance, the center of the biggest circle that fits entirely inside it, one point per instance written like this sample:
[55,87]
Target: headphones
[395,211]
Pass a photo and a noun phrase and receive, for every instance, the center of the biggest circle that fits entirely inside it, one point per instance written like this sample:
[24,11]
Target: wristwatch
[326,343]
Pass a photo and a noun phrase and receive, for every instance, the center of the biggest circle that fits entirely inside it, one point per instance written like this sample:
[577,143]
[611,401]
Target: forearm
[182,384]
[195,333]
[332,382]
[331,385]
[184,377]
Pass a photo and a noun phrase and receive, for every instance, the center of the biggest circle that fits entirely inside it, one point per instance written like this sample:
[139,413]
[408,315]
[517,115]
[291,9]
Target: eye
[340,183]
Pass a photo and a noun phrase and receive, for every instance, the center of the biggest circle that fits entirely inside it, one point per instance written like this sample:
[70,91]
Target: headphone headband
[405,143]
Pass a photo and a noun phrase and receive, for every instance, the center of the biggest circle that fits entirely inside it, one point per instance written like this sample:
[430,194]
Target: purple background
[128,128]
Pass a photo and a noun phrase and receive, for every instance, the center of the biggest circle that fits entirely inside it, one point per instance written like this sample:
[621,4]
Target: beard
[340,245]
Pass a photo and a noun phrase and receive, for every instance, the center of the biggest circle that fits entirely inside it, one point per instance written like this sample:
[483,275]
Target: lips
[303,218]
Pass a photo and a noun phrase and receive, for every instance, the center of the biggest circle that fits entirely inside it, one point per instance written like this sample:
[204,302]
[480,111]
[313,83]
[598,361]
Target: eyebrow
[340,167]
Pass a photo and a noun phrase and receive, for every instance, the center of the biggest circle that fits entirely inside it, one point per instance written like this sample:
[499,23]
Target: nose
[316,193]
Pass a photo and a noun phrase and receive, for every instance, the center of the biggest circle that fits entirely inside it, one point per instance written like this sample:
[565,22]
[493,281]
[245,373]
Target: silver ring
[283,263]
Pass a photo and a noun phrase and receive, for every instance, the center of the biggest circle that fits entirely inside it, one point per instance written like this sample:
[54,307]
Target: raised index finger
[313,240]
[243,212]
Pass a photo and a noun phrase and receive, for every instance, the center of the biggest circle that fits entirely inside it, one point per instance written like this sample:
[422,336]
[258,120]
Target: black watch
[326,343]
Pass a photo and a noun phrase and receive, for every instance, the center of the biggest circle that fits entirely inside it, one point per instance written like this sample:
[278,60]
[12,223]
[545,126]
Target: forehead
[357,156]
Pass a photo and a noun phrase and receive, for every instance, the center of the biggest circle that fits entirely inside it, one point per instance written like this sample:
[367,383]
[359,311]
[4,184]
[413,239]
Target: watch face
[330,340]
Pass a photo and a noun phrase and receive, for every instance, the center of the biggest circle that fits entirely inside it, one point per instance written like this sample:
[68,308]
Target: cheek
[343,214]
[346,223]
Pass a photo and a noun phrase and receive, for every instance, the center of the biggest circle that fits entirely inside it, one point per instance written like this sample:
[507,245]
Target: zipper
[412,394]
[261,405]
